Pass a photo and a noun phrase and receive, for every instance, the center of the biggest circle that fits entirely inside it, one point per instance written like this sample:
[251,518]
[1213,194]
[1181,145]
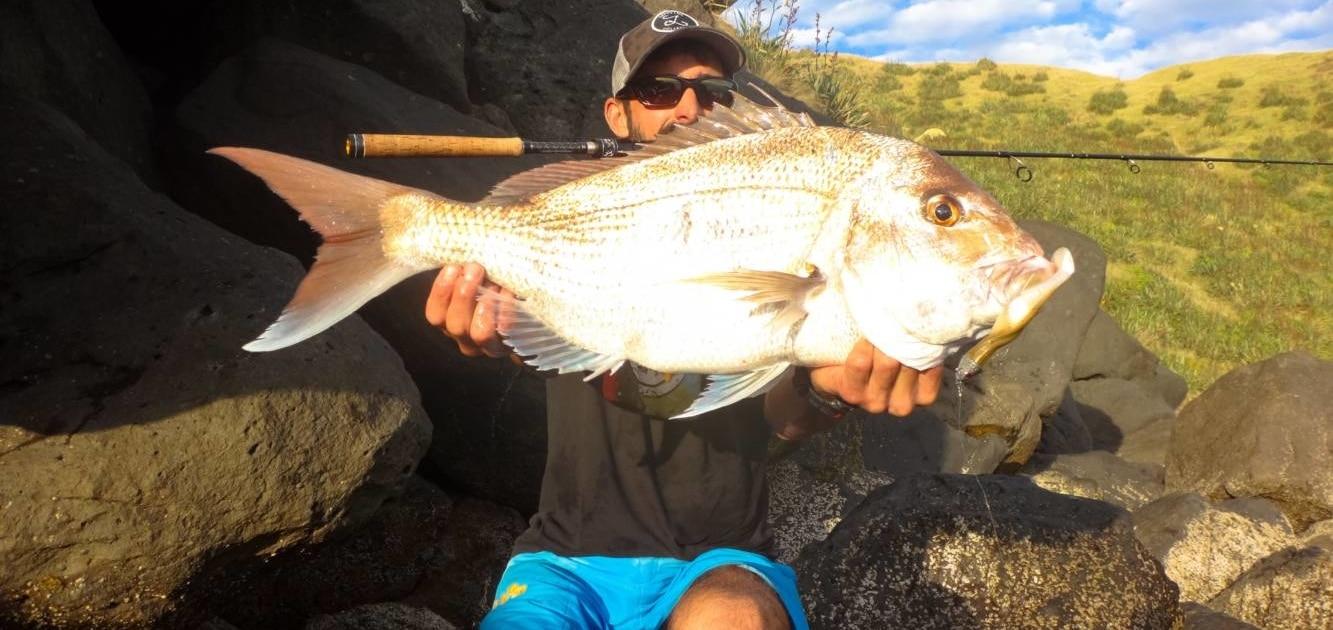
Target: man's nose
[688,109]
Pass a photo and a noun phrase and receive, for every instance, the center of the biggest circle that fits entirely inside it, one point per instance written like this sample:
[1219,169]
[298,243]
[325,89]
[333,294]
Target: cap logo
[668,21]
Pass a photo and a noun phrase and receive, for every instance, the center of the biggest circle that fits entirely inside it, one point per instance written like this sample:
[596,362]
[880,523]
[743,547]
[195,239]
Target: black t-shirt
[620,483]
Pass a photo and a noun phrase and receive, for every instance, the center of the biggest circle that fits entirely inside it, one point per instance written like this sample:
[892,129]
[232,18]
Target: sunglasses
[666,91]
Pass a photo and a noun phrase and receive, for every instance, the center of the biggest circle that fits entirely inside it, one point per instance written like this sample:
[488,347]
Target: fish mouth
[1029,283]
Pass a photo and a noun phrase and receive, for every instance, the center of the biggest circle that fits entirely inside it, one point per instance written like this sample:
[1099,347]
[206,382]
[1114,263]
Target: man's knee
[729,597]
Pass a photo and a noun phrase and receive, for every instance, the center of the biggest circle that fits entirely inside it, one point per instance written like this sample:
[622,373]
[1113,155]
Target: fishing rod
[372,145]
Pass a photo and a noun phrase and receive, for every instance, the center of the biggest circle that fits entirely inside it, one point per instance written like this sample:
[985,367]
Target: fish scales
[600,258]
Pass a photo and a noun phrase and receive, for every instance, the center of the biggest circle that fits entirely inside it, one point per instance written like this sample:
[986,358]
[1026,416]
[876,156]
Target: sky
[1118,38]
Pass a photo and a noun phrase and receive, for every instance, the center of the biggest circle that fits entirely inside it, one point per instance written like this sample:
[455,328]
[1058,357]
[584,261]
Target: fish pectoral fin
[540,346]
[724,389]
[784,292]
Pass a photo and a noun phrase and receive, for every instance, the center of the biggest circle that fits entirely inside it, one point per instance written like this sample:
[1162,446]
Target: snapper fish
[737,246]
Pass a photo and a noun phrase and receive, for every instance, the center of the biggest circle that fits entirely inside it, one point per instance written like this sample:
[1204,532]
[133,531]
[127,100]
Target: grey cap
[667,26]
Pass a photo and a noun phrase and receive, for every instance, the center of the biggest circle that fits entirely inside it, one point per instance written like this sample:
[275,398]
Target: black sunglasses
[666,91]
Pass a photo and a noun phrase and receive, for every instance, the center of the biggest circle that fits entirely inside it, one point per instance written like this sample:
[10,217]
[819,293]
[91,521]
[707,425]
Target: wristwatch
[833,407]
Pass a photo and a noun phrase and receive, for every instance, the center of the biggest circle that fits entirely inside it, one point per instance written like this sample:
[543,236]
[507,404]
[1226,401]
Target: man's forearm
[790,414]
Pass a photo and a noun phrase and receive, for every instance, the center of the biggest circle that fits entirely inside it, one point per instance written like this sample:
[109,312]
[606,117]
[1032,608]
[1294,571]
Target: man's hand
[876,382]
[868,379]
[453,307]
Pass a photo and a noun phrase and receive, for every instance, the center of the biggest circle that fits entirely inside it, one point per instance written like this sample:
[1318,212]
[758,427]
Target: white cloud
[1123,38]
[1164,16]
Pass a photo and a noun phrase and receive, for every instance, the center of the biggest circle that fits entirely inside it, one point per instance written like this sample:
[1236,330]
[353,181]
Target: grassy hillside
[1209,268]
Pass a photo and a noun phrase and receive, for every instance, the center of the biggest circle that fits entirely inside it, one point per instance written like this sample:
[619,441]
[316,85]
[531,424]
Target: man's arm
[868,379]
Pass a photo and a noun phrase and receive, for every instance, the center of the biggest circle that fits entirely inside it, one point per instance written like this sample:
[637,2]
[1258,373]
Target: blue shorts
[545,590]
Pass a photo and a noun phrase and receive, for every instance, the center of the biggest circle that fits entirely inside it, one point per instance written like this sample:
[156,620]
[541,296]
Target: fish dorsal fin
[743,117]
[544,178]
[540,346]
[724,389]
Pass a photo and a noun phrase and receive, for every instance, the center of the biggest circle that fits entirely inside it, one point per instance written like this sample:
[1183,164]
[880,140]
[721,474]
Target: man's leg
[730,588]
[730,597]
[540,591]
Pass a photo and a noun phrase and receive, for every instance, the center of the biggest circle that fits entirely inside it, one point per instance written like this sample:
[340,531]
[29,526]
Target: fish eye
[942,210]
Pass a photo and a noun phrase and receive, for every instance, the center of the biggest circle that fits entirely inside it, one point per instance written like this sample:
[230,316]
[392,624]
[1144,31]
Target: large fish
[735,247]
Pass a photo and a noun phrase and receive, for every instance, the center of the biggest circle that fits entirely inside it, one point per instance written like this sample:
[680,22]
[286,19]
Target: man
[645,522]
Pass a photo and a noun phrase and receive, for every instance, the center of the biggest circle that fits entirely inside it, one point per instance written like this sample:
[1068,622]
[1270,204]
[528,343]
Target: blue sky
[1119,38]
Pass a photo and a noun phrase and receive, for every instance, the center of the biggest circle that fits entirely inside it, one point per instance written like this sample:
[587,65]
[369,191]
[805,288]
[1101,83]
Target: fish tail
[350,267]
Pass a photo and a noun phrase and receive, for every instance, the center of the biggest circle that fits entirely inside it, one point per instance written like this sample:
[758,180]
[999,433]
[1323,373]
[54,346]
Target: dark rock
[1117,411]
[1065,431]
[425,548]
[1203,547]
[1292,588]
[1110,352]
[1319,535]
[806,501]
[418,45]
[388,616]
[1097,475]
[1261,431]
[952,551]
[58,52]
[548,64]
[1200,617]
[142,451]
[490,435]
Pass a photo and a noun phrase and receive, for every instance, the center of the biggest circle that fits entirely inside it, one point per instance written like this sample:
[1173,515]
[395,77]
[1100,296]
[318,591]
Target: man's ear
[617,119]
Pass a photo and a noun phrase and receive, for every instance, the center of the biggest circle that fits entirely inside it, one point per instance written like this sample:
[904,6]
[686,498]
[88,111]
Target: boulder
[1110,352]
[1065,431]
[955,551]
[1200,617]
[547,64]
[1124,418]
[489,416]
[387,616]
[142,451]
[425,548]
[1204,547]
[1098,475]
[420,46]
[1319,535]
[1292,588]
[1262,430]
[806,502]
[58,52]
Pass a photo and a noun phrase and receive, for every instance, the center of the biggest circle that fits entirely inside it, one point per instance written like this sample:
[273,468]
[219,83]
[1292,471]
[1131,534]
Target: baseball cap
[667,26]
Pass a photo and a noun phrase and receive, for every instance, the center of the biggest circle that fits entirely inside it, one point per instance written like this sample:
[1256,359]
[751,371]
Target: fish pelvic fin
[725,389]
[350,267]
[784,293]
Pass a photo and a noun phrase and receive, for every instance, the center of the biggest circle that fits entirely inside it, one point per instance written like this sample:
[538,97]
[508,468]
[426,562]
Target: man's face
[629,118]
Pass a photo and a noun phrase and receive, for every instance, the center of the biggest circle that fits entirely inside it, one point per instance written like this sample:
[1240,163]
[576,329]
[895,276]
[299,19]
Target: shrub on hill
[937,87]
[1041,76]
[898,69]
[1229,83]
[986,65]
[1185,73]
[1271,96]
[1168,103]
[1123,129]
[1107,101]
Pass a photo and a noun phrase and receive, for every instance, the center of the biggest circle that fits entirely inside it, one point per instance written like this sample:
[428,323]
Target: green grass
[1209,268]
